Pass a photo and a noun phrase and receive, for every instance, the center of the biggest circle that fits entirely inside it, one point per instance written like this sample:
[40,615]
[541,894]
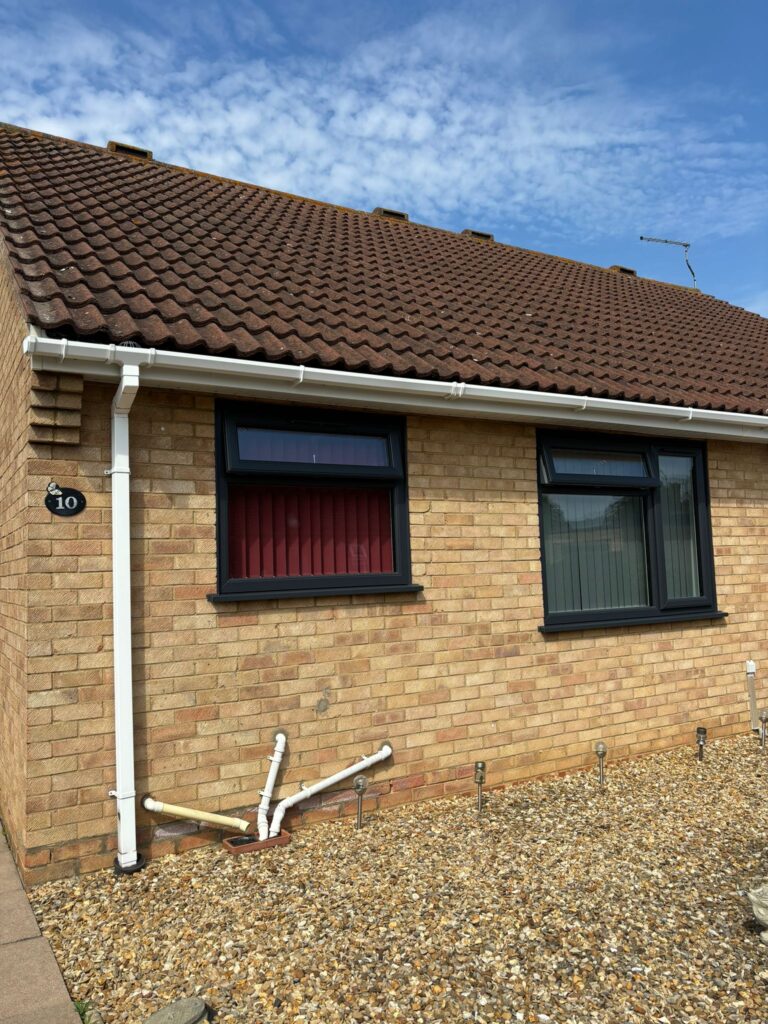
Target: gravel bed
[563,904]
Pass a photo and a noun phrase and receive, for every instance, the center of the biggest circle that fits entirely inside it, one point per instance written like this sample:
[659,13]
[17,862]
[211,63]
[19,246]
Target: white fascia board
[279,382]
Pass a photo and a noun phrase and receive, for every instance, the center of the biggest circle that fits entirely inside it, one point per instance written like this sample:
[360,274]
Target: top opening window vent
[482,236]
[124,149]
[383,211]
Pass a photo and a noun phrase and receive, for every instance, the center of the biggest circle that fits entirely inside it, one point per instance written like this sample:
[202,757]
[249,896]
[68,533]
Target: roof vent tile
[481,236]
[629,271]
[124,149]
[383,211]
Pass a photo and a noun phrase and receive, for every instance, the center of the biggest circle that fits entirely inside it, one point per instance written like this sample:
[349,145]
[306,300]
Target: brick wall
[458,672]
[14,383]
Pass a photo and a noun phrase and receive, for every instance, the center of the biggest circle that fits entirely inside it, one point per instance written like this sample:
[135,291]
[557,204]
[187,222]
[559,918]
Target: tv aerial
[685,246]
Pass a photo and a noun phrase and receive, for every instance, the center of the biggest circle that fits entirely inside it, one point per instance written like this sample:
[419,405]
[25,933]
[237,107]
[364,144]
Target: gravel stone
[562,904]
[181,1011]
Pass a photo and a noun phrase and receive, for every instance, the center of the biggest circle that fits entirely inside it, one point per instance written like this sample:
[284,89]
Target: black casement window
[310,502]
[625,532]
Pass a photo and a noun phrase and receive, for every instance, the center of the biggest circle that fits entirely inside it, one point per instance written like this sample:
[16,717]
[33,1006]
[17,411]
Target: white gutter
[305,792]
[128,859]
[266,793]
[247,378]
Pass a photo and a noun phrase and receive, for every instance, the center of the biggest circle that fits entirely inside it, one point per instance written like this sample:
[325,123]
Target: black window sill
[646,620]
[273,595]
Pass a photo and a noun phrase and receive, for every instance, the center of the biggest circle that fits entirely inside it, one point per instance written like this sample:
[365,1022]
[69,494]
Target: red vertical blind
[281,531]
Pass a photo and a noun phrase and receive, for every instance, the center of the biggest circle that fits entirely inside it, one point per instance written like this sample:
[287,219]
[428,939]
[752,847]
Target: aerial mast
[685,246]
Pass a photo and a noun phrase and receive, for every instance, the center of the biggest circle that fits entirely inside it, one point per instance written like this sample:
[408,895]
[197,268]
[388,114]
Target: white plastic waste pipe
[175,811]
[266,793]
[304,794]
[128,859]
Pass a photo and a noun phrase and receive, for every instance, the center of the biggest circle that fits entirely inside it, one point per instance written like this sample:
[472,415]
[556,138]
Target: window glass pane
[299,446]
[678,518]
[282,531]
[599,463]
[594,551]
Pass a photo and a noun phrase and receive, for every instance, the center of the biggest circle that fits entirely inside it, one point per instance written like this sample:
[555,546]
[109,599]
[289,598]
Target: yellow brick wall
[455,673]
[14,385]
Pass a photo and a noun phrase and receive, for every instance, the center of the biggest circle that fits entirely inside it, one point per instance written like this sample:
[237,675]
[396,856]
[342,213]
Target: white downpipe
[305,793]
[176,811]
[125,791]
[266,793]
[249,378]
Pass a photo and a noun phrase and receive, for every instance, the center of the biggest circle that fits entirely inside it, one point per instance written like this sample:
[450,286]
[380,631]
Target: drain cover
[183,1011]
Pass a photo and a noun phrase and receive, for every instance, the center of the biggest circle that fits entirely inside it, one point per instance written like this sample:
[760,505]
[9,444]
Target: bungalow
[384,483]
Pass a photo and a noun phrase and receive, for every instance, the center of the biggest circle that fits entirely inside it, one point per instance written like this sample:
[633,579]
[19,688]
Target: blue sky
[566,127]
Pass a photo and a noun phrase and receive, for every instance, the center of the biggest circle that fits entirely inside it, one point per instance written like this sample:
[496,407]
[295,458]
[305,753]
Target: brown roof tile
[111,247]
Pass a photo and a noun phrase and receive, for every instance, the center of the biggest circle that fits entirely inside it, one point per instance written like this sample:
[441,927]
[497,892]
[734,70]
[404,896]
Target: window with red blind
[310,502]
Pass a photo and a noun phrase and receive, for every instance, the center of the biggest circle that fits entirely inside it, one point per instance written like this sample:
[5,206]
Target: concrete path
[32,989]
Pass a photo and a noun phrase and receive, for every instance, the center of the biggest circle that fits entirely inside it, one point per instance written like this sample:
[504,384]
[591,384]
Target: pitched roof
[113,248]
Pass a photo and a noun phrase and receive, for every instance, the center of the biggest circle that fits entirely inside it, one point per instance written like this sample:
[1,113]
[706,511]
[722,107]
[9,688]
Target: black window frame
[230,467]
[661,607]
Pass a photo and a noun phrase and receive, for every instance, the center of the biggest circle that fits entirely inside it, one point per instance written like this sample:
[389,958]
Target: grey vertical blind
[678,516]
[595,551]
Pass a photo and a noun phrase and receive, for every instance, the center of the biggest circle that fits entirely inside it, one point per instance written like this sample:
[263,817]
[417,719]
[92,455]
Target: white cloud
[452,120]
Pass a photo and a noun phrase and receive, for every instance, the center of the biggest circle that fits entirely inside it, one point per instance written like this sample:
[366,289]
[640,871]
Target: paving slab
[31,983]
[56,1015]
[17,921]
[9,876]
[32,989]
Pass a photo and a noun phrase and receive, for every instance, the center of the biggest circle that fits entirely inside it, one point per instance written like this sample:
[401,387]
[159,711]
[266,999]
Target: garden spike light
[601,749]
[701,739]
[479,781]
[763,729]
[360,784]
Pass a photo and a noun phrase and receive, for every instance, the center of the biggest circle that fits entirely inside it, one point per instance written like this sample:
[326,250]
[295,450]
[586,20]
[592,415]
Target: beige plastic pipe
[157,807]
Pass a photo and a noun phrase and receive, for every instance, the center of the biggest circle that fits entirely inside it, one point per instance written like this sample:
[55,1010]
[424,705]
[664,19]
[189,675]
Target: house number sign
[64,501]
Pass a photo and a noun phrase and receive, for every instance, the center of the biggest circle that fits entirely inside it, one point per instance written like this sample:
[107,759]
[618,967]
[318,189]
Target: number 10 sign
[64,501]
